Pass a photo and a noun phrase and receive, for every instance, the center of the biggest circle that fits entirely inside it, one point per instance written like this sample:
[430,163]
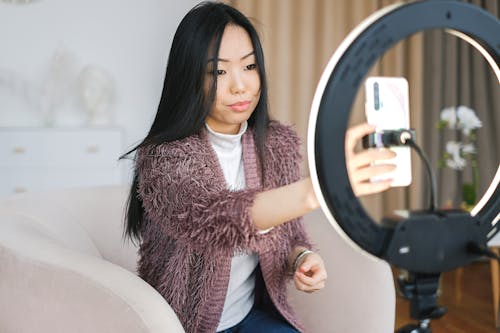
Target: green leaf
[469,194]
[441,124]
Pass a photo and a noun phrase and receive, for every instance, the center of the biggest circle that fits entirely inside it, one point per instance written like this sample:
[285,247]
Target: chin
[241,117]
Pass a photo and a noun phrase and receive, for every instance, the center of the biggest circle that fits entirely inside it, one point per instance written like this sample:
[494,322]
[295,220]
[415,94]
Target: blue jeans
[258,321]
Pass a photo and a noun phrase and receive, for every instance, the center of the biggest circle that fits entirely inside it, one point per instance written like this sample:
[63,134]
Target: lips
[240,106]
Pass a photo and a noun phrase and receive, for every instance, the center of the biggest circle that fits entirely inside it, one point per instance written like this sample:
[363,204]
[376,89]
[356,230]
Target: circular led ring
[337,89]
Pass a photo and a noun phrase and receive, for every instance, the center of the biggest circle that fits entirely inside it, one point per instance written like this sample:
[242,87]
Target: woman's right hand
[359,164]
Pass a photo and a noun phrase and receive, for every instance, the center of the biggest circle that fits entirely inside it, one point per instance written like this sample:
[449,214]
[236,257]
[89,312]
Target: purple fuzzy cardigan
[194,224]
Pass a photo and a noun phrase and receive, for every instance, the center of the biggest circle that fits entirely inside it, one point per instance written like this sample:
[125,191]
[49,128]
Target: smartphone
[387,107]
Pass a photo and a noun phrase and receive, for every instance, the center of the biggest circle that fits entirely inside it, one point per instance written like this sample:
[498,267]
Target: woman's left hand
[311,274]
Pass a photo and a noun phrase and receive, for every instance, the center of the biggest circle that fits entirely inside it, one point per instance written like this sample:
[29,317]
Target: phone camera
[376,100]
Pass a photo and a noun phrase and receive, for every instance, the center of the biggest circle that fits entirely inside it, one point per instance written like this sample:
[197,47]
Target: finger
[308,261]
[366,157]
[318,286]
[300,285]
[311,263]
[312,277]
[304,279]
[355,133]
[372,188]
[306,265]
[366,173]
[311,282]
[309,288]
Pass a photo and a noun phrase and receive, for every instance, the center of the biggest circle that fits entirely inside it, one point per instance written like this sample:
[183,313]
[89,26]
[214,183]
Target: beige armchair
[64,267]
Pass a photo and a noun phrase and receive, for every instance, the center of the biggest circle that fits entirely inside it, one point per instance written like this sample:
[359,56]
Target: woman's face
[238,82]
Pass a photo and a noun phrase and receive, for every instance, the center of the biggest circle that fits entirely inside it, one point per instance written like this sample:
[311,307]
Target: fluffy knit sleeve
[283,167]
[179,192]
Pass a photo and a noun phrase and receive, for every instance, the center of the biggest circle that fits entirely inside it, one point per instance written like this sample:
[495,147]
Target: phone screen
[387,107]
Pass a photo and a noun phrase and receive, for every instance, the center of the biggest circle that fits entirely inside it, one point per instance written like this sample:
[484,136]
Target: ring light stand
[426,243]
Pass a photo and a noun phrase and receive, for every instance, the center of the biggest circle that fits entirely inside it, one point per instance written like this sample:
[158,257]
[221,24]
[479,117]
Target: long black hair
[184,106]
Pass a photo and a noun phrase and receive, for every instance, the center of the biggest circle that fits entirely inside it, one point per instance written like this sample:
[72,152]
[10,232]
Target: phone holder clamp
[388,138]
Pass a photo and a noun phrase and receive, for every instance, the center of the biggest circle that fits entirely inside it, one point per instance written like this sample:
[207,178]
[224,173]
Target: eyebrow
[225,60]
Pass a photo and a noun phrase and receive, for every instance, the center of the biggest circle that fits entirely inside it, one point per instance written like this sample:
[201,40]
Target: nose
[237,84]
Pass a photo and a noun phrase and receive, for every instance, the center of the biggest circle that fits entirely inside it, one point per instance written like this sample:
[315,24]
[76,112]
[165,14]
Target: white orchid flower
[456,162]
[457,153]
[453,148]
[449,115]
[467,119]
[468,148]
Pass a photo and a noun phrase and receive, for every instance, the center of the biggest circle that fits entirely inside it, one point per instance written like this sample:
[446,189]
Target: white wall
[130,39]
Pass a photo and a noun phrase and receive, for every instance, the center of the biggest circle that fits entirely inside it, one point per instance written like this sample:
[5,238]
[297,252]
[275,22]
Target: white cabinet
[47,158]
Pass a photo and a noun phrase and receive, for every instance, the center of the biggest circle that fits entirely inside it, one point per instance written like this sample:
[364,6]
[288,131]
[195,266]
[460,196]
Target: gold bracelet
[302,254]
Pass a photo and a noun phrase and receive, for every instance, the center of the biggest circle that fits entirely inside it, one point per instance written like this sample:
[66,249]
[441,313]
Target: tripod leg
[409,328]
[413,328]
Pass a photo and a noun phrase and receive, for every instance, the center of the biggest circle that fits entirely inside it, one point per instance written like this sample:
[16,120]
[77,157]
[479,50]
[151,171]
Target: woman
[217,196]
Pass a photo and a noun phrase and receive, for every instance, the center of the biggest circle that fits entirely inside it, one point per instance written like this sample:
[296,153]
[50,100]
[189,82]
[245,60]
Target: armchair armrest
[46,287]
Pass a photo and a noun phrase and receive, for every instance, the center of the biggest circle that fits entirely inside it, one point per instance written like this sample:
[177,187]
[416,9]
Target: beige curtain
[299,37]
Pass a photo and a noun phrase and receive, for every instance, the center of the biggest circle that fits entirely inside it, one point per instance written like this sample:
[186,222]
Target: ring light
[401,244]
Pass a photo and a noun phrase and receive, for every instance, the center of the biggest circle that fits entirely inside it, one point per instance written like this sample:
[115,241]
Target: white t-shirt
[240,291]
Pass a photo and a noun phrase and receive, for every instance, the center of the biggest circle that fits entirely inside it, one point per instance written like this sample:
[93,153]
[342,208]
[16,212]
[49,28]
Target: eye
[217,72]
[251,67]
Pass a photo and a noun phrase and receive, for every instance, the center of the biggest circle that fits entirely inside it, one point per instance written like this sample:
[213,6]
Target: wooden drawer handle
[19,150]
[19,189]
[92,149]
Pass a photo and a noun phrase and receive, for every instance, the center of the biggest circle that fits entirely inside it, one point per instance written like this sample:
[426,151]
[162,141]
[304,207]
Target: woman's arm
[276,206]
[193,212]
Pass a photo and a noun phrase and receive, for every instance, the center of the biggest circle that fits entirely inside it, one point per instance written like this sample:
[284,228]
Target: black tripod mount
[422,292]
